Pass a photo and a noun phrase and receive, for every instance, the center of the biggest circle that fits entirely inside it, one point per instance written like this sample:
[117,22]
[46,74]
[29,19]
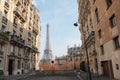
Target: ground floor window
[117,66]
[18,64]
[0,63]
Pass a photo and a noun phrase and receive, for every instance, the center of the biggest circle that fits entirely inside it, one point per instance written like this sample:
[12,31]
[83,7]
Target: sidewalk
[84,76]
[16,77]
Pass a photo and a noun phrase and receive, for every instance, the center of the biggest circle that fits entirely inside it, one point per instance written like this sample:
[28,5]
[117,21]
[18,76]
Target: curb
[21,78]
[79,77]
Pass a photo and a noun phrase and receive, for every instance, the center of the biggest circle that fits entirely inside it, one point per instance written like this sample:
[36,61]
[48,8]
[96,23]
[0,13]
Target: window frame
[100,33]
[116,42]
[97,15]
[108,3]
[102,49]
[113,20]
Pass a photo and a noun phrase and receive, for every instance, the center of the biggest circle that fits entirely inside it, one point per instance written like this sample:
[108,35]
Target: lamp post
[89,73]
[74,65]
[52,66]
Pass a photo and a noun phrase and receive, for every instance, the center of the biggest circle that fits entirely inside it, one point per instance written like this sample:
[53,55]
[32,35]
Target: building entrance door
[10,67]
[107,68]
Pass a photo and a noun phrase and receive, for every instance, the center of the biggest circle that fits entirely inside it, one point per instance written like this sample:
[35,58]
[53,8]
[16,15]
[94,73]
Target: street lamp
[89,73]
[52,66]
[74,65]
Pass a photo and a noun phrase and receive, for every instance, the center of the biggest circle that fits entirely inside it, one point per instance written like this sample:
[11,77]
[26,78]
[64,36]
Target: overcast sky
[60,15]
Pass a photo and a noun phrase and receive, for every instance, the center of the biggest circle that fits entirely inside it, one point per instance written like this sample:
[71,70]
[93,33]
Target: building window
[5,14]
[113,21]
[97,15]
[100,33]
[22,65]
[102,49]
[117,66]
[7,0]
[0,63]
[3,28]
[108,2]
[1,52]
[19,51]
[21,29]
[18,64]
[20,35]
[117,42]
[94,1]
[11,48]
[0,47]
[29,34]
[14,32]
[15,21]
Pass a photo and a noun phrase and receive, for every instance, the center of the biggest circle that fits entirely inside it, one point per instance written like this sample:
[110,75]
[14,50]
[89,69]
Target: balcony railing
[1,52]
[35,30]
[28,46]
[4,36]
[21,41]
[19,14]
[4,20]
[34,48]
[19,54]
[94,52]
[12,53]
[16,40]
[15,24]
[90,37]
[6,5]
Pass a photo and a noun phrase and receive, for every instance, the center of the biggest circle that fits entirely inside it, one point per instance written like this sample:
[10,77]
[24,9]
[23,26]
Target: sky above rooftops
[60,15]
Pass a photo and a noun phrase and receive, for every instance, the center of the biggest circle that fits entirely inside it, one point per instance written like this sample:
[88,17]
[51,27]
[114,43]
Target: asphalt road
[51,78]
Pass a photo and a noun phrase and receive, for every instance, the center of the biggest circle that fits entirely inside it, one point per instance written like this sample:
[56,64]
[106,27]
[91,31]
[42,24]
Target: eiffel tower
[47,55]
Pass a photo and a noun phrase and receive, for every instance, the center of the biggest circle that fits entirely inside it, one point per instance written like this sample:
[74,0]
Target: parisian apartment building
[100,31]
[71,60]
[19,36]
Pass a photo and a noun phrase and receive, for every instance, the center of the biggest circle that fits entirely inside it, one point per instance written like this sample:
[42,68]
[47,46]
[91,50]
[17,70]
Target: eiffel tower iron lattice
[47,55]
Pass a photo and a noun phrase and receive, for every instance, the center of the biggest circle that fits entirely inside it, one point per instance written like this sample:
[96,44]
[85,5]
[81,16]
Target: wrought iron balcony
[16,40]
[34,48]
[4,36]
[12,53]
[4,20]
[1,52]
[18,13]
[90,37]
[35,30]
[19,53]
[15,24]
[28,46]
[6,5]
[21,42]
[94,53]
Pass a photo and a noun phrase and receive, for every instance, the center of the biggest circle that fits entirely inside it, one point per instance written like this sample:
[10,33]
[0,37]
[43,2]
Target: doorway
[10,67]
[82,66]
[107,68]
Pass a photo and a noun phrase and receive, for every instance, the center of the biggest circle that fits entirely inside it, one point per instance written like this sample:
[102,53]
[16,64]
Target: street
[44,76]
[51,78]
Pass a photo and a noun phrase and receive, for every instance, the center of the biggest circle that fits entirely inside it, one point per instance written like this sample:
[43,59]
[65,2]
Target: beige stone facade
[75,56]
[88,34]
[105,16]
[19,36]
[71,61]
